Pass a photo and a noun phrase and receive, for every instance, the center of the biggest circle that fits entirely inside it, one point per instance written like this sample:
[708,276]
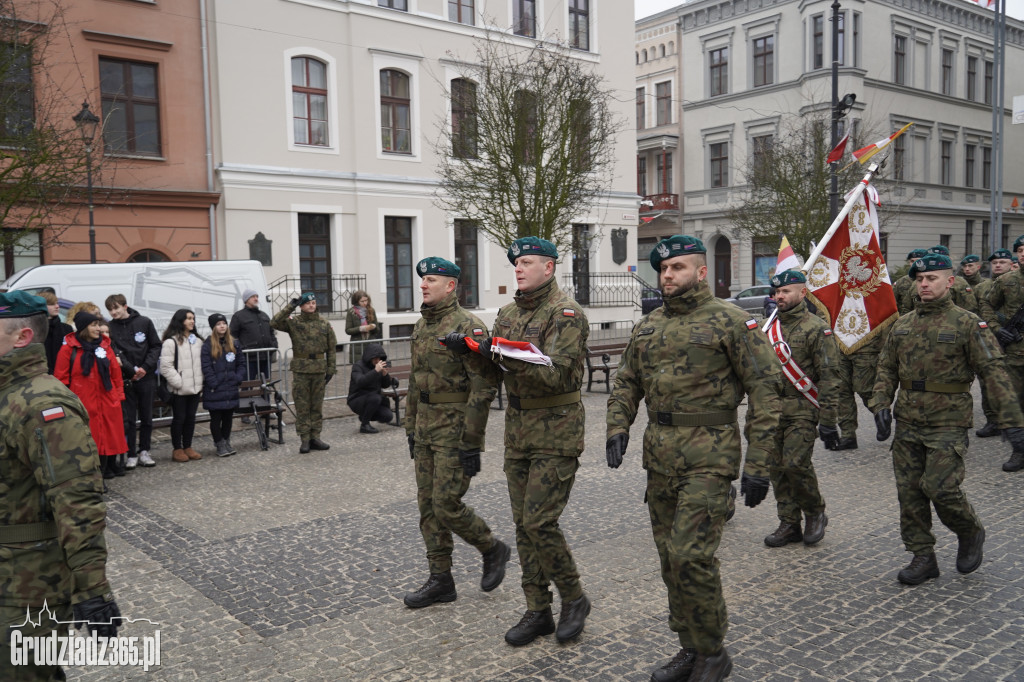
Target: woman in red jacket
[87,365]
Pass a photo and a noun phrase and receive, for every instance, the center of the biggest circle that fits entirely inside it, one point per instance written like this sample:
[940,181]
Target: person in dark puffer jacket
[369,376]
[223,371]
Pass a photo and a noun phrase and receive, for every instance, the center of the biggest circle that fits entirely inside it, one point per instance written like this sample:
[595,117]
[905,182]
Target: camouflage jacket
[313,341]
[552,321]
[975,281]
[436,370]
[942,343]
[698,354]
[1003,298]
[49,472]
[961,293]
[815,350]
[904,290]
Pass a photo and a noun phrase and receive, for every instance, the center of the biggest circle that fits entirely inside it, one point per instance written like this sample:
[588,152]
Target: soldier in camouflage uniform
[970,270]
[932,356]
[1003,298]
[856,376]
[901,282]
[812,347]
[445,419]
[970,267]
[961,292]
[313,365]
[52,513]
[691,361]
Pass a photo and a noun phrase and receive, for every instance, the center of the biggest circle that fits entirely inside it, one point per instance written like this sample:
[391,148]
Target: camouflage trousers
[1016,374]
[929,467]
[308,392]
[792,471]
[538,489]
[11,616]
[856,375]
[687,517]
[440,485]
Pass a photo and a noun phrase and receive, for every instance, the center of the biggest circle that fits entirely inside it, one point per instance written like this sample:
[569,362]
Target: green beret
[21,304]
[970,258]
[678,245]
[531,246]
[999,254]
[307,297]
[939,249]
[1017,242]
[917,253]
[930,263]
[787,277]
[432,265]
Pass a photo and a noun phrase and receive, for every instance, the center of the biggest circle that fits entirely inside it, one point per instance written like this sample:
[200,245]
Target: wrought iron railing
[333,292]
[606,289]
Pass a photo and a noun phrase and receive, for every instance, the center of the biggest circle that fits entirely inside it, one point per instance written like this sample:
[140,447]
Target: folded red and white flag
[517,350]
[837,152]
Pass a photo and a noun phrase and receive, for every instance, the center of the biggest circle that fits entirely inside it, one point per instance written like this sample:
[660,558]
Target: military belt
[692,418]
[315,356]
[935,387]
[547,401]
[438,398]
[28,532]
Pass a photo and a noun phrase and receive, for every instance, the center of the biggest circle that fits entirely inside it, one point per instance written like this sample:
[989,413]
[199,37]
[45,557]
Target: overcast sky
[645,8]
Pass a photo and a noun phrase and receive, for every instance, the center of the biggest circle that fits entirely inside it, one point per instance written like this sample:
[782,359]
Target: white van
[155,290]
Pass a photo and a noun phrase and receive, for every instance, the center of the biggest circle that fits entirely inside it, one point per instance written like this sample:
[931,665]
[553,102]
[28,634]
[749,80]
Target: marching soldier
[902,285]
[691,361]
[999,263]
[961,292]
[446,415]
[810,362]
[313,365]
[932,356]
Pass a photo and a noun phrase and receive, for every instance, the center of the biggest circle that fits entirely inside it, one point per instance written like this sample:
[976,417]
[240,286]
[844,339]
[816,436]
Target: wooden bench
[599,359]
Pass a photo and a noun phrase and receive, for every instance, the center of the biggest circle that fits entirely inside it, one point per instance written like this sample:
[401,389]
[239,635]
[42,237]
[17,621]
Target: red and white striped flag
[787,260]
[837,152]
[865,153]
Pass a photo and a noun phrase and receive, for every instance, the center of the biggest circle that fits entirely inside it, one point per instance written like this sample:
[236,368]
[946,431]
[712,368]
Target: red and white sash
[796,376]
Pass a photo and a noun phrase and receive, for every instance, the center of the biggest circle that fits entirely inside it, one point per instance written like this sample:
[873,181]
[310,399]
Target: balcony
[333,292]
[606,289]
[659,202]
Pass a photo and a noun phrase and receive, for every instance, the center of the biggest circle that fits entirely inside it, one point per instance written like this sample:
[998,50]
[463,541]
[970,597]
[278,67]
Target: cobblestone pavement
[278,566]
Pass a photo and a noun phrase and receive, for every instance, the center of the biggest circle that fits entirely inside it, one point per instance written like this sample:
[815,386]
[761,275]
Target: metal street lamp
[87,123]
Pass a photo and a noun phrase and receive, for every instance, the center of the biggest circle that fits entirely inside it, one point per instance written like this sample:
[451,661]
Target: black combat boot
[366,427]
[678,669]
[439,587]
[317,444]
[570,620]
[919,569]
[784,534]
[847,443]
[494,565]
[304,446]
[988,430]
[814,527]
[532,625]
[968,551]
[1015,463]
[711,667]
[107,466]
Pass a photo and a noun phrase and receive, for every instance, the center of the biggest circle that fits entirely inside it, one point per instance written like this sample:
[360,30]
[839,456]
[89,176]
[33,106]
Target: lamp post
[839,109]
[87,123]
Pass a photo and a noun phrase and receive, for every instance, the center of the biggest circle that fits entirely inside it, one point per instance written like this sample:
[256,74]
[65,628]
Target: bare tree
[530,142]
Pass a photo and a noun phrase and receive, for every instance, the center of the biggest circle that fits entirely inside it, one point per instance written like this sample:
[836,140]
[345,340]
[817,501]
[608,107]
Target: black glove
[412,445]
[829,436]
[327,378]
[99,615]
[470,461]
[753,489]
[1007,336]
[485,349]
[883,423]
[456,343]
[615,448]
[294,303]
[1016,437]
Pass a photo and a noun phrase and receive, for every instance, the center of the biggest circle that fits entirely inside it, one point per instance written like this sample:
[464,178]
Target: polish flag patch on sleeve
[983,324]
[751,324]
[568,312]
[53,414]
[828,332]
[478,332]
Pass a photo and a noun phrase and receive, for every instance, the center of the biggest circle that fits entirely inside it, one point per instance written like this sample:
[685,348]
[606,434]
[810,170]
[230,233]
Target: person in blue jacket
[223,372]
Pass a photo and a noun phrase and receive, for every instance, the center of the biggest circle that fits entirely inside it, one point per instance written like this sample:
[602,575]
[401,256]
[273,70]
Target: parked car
[751,299]
[650,298]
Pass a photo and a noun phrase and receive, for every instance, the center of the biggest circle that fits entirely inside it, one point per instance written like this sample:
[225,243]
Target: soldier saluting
[932,355]
[692,360]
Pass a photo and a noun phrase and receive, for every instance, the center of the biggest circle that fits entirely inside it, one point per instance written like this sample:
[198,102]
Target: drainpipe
[208,126]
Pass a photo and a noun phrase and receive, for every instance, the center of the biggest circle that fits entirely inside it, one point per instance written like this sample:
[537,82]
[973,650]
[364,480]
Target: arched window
[395,118]
[645,55]
[671,47]
[309,101]
[464,121]
[147,256]
[661,49]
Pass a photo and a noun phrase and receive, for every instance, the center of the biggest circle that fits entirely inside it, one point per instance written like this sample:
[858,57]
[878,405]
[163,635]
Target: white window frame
[333,138]
[409,65]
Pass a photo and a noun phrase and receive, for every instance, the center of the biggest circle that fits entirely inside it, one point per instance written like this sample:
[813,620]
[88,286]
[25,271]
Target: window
[1004,238]
[398,262]
[394,4]
[765,258]
[883,245]
[986,167]
[841,38]
[899,157]
[944,240]
[641,175]
[526,126]
[24,252]
[468,288]
[130,107]
[664,173]
[524,18]
[15,91]
[309,101]
[661,50]
[579,25]
[641,108]
[395,134]
[719,156]
[818,41]
[461,11]
[969,152]
[899,61]
[972,78]
[464,122]
[946,162]
[147,256]
[761,147]
[764,61]
[719,71]
[856,38]
[947,72]
[984,239]
[987,98]
[969,236]
[663,92]
[579,117]
[315,257]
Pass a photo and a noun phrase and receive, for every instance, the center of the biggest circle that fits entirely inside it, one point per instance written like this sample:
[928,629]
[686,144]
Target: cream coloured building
[327,111]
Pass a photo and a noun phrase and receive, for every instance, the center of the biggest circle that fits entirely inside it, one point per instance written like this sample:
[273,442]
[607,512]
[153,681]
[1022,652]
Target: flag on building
[850,281]
[837,152]
[1014,204]
[865,153]
[787,259]
[984,3]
